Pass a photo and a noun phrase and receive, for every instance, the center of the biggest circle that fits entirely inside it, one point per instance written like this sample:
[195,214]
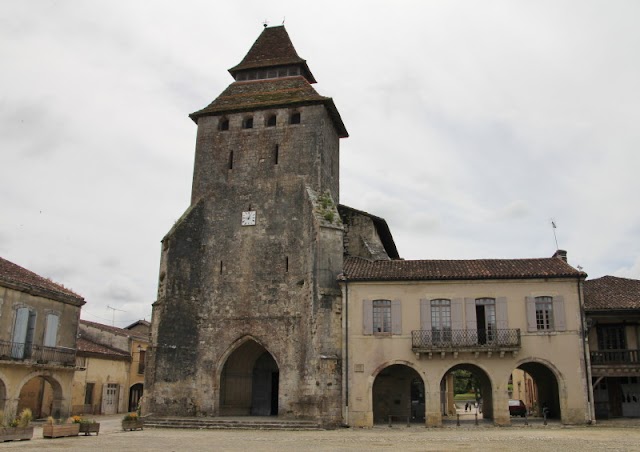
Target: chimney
[561,254]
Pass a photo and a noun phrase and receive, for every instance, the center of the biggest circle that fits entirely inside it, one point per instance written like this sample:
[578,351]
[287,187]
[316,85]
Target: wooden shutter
[396,317]
[51,332]
[367,317]
[20,333]
[425,315]
[502,322]
[531,314]
[559,319]
[457,322]
[471,336]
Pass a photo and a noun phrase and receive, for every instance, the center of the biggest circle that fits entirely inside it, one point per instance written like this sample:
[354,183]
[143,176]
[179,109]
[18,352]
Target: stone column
[500,398]
[433,415]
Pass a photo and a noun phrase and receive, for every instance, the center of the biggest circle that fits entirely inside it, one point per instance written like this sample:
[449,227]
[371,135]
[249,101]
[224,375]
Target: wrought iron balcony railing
[18,351]
[483,339]
[615,357]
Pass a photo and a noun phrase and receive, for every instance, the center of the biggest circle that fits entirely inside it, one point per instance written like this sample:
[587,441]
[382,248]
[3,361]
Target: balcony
[453,341]
[615,363]
[16,351]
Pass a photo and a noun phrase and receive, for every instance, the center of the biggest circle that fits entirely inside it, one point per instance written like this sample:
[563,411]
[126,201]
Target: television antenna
[554,227]
[113,315]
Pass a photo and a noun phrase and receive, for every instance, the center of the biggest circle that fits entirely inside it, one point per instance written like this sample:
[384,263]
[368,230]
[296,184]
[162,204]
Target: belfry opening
[249,382]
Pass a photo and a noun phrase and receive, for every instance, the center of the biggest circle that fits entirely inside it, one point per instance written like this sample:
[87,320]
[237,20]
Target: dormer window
[223,124]
[271,121]
[247,123]
[295,118]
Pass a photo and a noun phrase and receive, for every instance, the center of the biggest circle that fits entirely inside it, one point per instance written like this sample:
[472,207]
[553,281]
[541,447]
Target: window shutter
[456,314]
[559,320]
[20,333]
[396,317]
[51,333]
[470,311]
[501,313]
[367,317]
[425,315]
[472,325]
[531,314]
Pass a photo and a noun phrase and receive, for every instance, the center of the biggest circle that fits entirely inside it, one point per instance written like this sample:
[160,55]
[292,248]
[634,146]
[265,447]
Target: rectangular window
[381,316]
[141,362]
[544,313]
[88,394]
[611,337]
[441,320]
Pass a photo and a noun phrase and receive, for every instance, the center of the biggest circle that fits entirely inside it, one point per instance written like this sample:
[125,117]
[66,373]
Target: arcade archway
[398,391]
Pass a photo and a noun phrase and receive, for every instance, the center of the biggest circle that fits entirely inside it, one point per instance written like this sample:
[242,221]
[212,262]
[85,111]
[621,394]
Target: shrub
[25,418]
[130,417]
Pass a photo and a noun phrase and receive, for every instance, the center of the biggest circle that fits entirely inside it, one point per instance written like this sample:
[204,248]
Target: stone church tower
[248,315]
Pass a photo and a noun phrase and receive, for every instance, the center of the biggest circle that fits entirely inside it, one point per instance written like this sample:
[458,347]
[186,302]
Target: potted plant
[87,426]
[19,429]
[54,428]
[132,422]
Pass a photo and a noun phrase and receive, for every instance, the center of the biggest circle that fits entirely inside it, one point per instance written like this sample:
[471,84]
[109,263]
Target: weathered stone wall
[274,282]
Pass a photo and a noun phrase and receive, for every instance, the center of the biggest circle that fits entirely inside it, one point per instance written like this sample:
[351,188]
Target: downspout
[346,351]
[587,358]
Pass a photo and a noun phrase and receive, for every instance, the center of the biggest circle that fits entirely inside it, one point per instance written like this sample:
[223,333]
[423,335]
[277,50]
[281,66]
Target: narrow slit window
[221,267]
[276,152]
[230,159]
[224,124]
[295,118]
[286,264]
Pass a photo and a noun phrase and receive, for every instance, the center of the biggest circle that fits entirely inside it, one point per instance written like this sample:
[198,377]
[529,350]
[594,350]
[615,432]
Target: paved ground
[617,435]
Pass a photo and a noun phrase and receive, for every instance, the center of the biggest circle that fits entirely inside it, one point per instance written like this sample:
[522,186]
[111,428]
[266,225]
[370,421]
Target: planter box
[15,433]
[60,430]
[132,425]
[87,429]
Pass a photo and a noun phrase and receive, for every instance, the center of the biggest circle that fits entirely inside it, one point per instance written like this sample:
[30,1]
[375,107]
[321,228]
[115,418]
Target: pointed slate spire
[273,49]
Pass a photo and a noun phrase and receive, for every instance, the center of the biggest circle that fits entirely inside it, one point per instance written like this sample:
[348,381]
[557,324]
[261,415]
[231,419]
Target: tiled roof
[611,293]
[115,330]
[358,269]
[87,347]
[18,278]
[270,93]
[272,48]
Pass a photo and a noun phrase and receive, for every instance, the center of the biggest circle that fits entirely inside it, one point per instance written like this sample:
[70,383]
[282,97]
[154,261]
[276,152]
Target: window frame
[545,319]
[382,317]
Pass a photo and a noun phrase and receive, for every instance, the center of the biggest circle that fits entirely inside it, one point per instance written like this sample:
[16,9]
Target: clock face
[249,218]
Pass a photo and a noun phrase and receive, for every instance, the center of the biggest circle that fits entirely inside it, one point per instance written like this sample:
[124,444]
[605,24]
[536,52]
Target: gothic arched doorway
[249,382]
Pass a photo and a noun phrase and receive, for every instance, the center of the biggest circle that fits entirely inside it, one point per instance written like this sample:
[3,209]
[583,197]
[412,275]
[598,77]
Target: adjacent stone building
[274,299]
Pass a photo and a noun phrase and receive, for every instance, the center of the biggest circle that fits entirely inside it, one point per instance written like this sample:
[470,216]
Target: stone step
[222,423]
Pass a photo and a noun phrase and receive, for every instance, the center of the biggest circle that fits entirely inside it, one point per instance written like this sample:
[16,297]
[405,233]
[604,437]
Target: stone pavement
[611,435]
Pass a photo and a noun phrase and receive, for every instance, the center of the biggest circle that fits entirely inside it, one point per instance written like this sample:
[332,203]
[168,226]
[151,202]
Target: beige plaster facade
[557,357]
[38,325]
[111,379]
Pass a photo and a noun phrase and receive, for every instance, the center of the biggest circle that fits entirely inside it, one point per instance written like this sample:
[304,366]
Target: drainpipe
[345,372]
[587,358]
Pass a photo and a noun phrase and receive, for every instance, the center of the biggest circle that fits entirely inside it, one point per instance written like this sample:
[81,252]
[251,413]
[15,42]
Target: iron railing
[615,357]
[38,353]
[483,339]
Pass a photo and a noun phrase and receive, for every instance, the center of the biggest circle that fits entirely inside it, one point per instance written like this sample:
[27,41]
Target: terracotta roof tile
[358,269]
[115,330]
[272,48]
[270,93]
[611,293]
[21,279]
[88,347]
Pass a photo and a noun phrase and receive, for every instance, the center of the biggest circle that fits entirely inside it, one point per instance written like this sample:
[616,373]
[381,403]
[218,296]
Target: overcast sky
[472,125]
